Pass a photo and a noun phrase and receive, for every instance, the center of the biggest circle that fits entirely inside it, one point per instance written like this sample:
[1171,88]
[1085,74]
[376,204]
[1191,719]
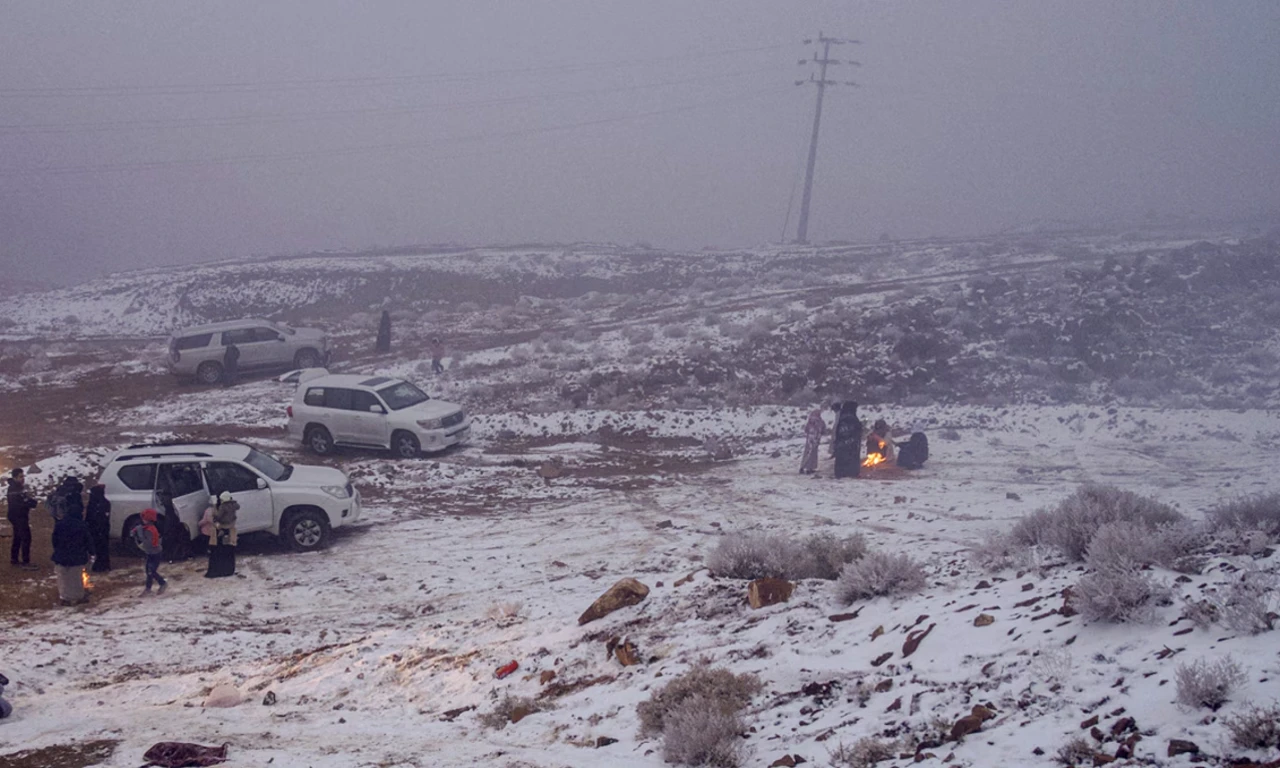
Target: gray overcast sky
[142,133]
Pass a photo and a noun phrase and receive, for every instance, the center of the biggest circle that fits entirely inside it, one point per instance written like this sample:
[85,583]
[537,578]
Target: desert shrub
[1122,595]
[1202,613]
[996,551]
[696,732]
[1246,604]
[1124,544]
[1255,728]
[879,574]
[510,710]
[864,753]
[1071,525]
[1207,685]
[764,555]
[1077,751]
[1248,513]
[716,689]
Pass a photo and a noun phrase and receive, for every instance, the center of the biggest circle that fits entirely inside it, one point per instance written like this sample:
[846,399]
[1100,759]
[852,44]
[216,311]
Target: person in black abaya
[98,517]
[172,535]
[848,441]
[222,546]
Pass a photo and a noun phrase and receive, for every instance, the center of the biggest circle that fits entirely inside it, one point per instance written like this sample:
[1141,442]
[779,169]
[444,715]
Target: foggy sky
[143,133]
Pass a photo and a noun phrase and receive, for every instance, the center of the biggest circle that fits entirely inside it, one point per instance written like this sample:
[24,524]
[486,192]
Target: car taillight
[289,411]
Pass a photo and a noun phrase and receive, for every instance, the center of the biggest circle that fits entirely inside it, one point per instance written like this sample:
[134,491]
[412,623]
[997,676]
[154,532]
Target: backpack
[144,540]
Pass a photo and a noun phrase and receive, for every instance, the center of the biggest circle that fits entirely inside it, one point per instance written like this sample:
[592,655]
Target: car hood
[316,477]
[431,409]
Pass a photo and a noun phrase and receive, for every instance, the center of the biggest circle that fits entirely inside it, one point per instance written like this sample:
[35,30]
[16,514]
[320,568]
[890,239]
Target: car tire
[405,445]
[307,358]
[209,372]
[127,546]
[305,530]
[318,440]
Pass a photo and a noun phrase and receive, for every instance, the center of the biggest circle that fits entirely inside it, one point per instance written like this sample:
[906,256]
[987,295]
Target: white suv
[373,412]
[198,351]
[298,503]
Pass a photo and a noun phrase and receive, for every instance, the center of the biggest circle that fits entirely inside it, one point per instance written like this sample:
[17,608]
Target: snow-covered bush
[879,574]
[1076,752]
[696,732]
[1248,604]
[1119,595]
[1248,513]
[1125,544]
[1207,685]
[764,555]
[1071,525]
[864,753]
[996,551]
[697,715]
[1255,728]
[1202,613]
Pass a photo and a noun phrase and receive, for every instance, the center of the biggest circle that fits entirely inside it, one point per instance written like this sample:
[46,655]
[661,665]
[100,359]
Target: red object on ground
[506,669]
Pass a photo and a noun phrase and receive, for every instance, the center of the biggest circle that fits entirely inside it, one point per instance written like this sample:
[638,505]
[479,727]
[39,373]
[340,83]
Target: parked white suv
[297,502]
[373,412]
[198,351]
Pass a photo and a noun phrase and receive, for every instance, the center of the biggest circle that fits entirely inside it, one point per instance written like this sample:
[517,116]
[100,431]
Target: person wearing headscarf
[72,548]
[814,429]
[915,452]
[222,549]
[97,515]
[147,537]
[848,441]
[20,504]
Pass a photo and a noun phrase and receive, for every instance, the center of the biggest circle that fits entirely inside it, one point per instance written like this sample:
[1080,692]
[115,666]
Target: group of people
[847,442]
[82,529]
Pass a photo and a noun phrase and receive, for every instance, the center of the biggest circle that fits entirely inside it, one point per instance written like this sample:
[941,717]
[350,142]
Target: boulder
[971,723]
[626,592]
[983,620]
[764,592]
[223,696]
[1182,747]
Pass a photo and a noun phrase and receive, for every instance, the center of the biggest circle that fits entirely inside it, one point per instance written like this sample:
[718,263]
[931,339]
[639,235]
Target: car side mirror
[376,409]
[262,484]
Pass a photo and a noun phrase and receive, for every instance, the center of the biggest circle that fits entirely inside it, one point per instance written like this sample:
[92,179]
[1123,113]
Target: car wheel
[209,372]
[319,441]
[306,531]
[307,358]
[127,545]
[405,445]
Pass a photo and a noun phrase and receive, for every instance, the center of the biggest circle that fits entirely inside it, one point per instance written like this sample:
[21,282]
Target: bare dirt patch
[80,755]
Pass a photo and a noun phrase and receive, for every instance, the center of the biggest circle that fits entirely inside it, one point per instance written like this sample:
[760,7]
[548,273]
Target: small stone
[766,592]
[604,741]
[547,676]
[984,584]
[1181,747]
[269,699]
[1087,724]
[1097,734]
[878,631]
[626,592]
[1011,496]
[1037,751]
[786,761]
[882,658]
[1028,587]
[983,620]
[666,524]
[885,685]
[1122,725]
[627,654]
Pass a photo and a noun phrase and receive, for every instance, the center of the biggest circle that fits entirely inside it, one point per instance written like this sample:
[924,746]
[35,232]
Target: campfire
[875,458]
[84,579]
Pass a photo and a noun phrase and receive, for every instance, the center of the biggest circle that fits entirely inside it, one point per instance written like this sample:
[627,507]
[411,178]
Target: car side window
[192,342]
[238,336]
[179,479]
[226,476]
[138,477]
[266,334]
[362,401]
[338,398]
[314,397]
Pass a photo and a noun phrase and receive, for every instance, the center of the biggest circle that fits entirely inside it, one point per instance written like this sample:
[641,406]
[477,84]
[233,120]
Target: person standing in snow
[383,343]
[172,533]
[222,550]
[848,441]
[20,504]
[97,515]
[147,537]
[205,540]
[230,365]
[6,708]
[814,429]
[72,546]
[437,355]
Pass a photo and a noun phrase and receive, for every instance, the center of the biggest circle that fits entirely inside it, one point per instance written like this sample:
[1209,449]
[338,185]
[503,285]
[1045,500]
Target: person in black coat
[383,343]
[98,517]
[20,504]
[915,452]
[72,548]
[230,365]
[174,536]
[848,441]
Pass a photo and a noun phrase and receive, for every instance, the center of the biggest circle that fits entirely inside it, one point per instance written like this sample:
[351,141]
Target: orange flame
[84,579]
[874,459]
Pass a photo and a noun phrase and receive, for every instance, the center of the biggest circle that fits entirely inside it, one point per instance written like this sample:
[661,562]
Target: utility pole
[802,233]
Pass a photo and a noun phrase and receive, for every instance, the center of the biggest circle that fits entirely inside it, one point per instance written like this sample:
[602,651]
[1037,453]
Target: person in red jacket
[147,536]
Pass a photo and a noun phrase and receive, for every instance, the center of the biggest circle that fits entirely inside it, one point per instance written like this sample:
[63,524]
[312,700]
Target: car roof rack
[176,443]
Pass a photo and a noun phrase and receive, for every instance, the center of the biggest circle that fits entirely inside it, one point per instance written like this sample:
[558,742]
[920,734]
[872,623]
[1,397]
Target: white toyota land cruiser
[297,502]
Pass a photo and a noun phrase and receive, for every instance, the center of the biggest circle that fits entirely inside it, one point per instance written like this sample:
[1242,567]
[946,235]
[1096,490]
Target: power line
[802,230]
[183,89]
[290,117]
[82,169]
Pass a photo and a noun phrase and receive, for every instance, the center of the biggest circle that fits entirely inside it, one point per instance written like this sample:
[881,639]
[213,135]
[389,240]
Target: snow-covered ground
[367,645]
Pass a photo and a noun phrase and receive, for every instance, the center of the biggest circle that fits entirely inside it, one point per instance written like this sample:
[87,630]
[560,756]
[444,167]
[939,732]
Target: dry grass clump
[1072,524]
[698,716]
[864,753]
[1255,728]
[766,555]
[511,710]
[1202,684]
[879,574]
[1248,513]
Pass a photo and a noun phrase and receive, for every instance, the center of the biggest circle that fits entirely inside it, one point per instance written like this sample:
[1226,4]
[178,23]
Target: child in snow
[147,537]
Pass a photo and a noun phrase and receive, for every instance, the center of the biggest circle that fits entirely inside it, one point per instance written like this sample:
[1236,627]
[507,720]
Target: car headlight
[431,423]
[336,491]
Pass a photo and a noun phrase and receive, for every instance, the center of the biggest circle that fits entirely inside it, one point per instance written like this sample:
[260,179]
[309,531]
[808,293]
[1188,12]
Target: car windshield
[269,465]
[402,395]
[281,327]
